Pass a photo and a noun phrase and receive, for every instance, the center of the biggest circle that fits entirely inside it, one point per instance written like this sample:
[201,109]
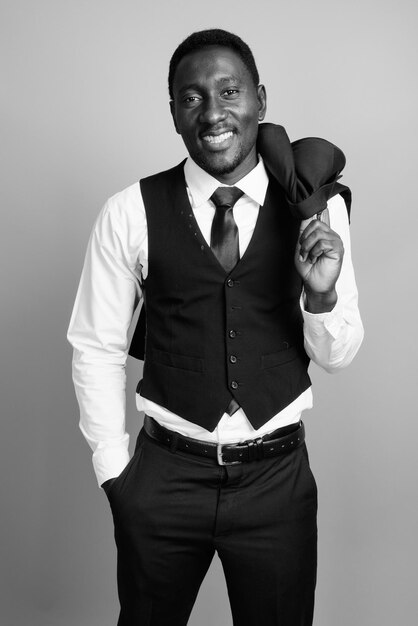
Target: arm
[332,325]
[108,293]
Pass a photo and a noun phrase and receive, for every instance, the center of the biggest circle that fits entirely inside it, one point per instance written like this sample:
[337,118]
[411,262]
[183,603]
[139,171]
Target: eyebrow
[227,79]
[221,81]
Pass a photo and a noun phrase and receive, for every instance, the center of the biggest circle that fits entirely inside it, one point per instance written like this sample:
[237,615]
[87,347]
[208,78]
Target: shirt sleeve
[107,296]
[332,339]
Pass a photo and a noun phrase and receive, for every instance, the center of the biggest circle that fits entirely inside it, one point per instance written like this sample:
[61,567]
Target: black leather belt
[281,441]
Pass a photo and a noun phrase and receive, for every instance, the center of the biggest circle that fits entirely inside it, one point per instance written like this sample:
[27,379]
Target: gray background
[84,111]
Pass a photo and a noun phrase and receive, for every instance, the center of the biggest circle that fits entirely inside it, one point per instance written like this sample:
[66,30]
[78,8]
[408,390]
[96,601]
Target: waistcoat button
[230,282]
[234,384]
[232,334]
[233,358]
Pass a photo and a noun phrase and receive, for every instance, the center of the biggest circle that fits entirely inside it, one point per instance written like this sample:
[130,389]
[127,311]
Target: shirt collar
[201,185]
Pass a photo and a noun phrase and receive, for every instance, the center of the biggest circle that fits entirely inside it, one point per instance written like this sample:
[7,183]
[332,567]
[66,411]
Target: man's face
[216,109]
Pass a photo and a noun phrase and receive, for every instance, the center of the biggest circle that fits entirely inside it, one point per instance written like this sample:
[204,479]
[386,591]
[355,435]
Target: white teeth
[217,138]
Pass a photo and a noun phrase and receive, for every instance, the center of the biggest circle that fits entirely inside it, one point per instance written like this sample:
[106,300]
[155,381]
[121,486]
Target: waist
[230,429]
[281,441]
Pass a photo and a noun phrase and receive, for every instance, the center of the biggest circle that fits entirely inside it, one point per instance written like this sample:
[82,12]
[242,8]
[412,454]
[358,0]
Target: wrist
[320,302]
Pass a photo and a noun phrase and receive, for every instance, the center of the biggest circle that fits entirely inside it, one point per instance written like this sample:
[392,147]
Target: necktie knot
[226,197]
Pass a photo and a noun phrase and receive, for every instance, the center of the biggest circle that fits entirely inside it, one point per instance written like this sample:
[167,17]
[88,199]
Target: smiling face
[216,108]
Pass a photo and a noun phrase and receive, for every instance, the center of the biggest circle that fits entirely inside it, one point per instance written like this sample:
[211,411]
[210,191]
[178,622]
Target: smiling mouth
[216,139]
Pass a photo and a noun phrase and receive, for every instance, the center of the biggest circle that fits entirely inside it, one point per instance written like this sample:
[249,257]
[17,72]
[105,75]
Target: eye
[231,92]
[191,100]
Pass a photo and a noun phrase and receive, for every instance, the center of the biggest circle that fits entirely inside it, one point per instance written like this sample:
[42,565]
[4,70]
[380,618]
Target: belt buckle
[220,459]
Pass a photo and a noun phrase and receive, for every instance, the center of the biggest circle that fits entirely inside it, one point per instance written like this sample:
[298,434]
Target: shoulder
[166,176]
[124,205]
[121,222]
[124,213]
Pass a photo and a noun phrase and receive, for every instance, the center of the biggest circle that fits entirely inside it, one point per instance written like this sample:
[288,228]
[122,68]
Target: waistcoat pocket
[179,361]
[278,358]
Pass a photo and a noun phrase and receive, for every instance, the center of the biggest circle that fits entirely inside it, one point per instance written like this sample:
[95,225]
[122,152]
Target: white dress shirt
[115,266]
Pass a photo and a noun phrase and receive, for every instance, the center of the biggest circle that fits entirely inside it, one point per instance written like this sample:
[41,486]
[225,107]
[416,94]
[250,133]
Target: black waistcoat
[210,334]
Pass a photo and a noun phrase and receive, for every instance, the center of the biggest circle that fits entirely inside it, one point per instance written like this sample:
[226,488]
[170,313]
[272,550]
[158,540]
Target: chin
[218,166]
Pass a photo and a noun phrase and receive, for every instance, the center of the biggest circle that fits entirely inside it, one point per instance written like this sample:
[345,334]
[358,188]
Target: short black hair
[212,37]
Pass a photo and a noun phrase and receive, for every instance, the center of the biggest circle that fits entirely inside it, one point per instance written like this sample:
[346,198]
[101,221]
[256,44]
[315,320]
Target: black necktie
[224,239]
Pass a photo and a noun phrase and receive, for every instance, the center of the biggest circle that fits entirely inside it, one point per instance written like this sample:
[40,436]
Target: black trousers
[172,511]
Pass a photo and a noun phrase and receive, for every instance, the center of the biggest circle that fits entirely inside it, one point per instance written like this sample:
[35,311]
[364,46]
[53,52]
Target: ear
[262,102]
[173,115]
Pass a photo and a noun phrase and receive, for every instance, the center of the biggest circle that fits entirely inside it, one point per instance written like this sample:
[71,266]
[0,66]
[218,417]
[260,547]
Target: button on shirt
[115,266]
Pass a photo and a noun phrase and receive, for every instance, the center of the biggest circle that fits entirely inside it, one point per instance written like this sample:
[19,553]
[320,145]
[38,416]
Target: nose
[212,112]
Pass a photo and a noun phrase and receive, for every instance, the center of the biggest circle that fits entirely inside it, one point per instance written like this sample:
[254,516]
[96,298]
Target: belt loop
[173,443]
[260,448]
[252,450]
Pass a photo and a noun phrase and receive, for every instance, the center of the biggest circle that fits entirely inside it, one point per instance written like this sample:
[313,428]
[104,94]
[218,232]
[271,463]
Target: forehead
[209,65]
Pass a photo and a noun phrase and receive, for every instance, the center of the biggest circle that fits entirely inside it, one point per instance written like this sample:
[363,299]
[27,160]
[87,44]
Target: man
[238,296]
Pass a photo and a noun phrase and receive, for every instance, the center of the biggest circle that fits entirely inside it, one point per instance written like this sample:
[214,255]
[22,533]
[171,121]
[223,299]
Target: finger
[307,227]
[319,249]
[312,227]
[311,238]
[305,223]
[329,241]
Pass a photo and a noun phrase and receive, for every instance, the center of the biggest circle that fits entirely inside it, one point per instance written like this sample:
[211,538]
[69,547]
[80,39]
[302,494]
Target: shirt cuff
[318,324]
[110,460]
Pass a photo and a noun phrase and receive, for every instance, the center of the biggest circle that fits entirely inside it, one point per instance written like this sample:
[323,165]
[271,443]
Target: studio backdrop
[84,113]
